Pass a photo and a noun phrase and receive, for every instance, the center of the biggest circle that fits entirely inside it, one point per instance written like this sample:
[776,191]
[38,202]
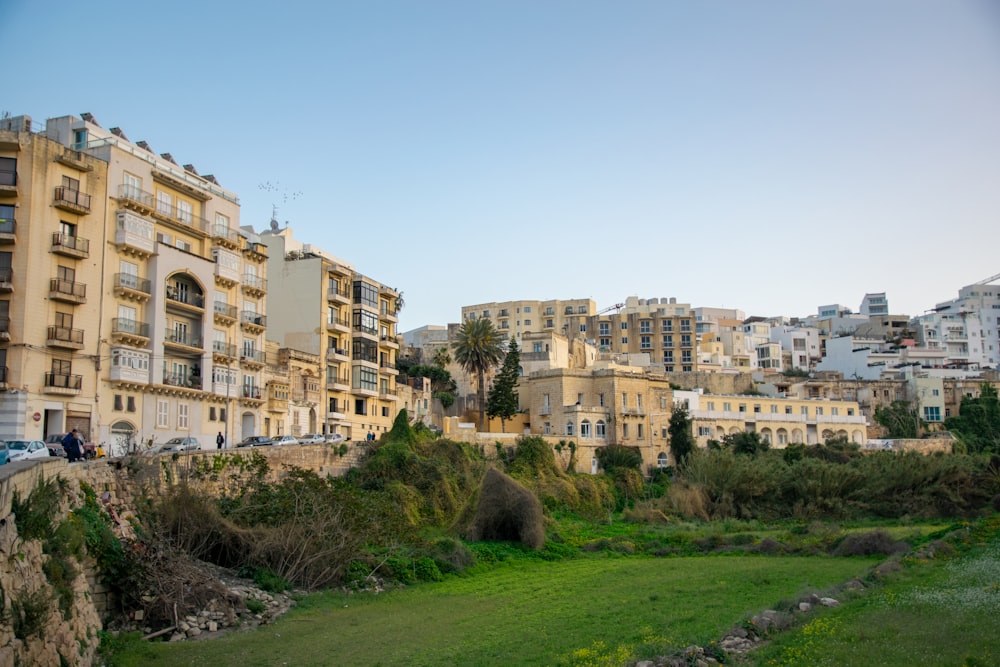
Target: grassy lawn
[931,613]
[595,611]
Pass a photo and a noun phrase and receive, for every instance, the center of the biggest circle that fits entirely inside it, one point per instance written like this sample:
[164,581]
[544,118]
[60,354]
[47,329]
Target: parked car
[23,450]
[312,439]
[180,444]
[4,453]
[334,438]
[254,441]
[284,440]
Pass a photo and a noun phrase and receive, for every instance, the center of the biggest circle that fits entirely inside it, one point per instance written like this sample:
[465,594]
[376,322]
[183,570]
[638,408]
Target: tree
[503,400]
[478,351]
[746,442]
[441,357]
[901,419]
[681,435]
[978,421]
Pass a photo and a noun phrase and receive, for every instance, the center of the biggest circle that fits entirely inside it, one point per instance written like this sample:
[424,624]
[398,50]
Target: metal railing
[65,334]
[63,381]
[71,196]
[70,242]
[187,298]
[68,287]
[253,281]
[224,348]
[251,317]
[224,309]
[133,282]
[182,338]
[121,325]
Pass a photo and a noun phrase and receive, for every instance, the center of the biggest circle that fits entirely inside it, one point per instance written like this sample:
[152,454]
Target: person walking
[220,440]
[73,446]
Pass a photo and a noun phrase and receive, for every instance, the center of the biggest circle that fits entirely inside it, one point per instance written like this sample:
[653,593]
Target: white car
[311,439]
[23,450]
[284,440]
[334,438]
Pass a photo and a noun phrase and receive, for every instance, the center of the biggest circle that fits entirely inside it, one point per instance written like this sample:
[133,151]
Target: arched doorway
[122,439]
[247,427]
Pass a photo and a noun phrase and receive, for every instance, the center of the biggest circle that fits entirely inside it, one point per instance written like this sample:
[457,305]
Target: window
[624,401]
[668,356]
[819,411]
[222,415]
[646,342]
[850,412]
[600,400]
[119,403]
[756,408]
[774,409]
[932,413]
[364,378]
[211,413]
[527,309]
[184,212]
[548,428]
[704,430]
[668,340]
[569,428]
[585,429]
[624,326]
[638,428]
[604,328]
[834,411]
[645,326]
[624,340]
[804,410]
[8,171]
[360,408]
[549,323]
[788,409]
[527,323]
[599,429]
[711,405]
[182,416]
[162,413]
[727,407]
[365,294]
[685,340]
[685,356]
[130,403]
[638,401]
[624,431]
[743,407]
[164,203]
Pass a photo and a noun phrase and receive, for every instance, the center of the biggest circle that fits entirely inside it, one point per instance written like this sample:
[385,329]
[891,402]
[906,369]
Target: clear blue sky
[768,156]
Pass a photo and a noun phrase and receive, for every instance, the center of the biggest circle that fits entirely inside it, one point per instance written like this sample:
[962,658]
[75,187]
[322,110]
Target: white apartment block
[967,328]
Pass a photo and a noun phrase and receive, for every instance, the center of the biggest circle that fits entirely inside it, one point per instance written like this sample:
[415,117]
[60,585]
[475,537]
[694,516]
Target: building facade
[660,328]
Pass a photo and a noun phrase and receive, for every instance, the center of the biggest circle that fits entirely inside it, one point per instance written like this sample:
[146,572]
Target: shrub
[508,512]
[870,543]
[28,613]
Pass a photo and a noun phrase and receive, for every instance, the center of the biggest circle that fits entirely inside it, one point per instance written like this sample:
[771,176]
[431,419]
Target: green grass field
[933,613]
[595,611]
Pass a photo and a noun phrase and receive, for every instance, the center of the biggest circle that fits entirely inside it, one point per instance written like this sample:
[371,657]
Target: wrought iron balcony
[72,200]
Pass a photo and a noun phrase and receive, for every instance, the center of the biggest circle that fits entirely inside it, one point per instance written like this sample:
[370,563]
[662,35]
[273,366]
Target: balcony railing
[182,216]
[223,232]
[256,319]
[182,380]
[224,348]
[182,338]
[251,392]
[187,298]
[7,227]
[6,275]
[65,335]
[63,381]
[253,356]
[71,245]
[252,281]
[73,199]
[133,282]
[120,325]
[67,288]
[3,375]
[223,309]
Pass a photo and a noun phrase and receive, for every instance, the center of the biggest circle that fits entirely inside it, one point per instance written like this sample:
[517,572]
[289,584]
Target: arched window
[585,429]
[599,430]
[569,428]
[662,461]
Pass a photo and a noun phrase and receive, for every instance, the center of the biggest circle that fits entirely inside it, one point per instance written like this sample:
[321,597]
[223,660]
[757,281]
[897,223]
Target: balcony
[129,375]
[189,380]
[224,313]
[7,229]
[388,368]
[186,339]
[134,235]
[388,315]
[254,285]
[338,324]
[71,200]
[4,329]
[338,383]
[223,352]
[390,341]
[6,280]
[387,395]
[224,236]
[253,322]
[8,183]
[337,354]
[70,246]
[370,332]
[136,199]
[181,219]
[186,300]
[60,383]
[256,252]
[132,287]
[252,393]
[64,337]
[337,294]
[130,332]
[336,416]
[67,291]
[252,358]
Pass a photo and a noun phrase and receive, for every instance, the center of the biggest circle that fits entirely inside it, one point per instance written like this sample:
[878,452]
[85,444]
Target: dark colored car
[255,441]
[54,443]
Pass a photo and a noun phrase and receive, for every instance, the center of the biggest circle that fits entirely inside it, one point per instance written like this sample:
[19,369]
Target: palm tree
[441,357]
[478,350]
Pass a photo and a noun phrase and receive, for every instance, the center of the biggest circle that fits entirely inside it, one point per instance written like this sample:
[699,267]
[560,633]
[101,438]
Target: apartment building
[660,328]
[322,306]
[780,421]
[967,328]
[515,318]
[154,310]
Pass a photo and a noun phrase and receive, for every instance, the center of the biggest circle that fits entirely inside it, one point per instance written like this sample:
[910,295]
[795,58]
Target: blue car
[4,453]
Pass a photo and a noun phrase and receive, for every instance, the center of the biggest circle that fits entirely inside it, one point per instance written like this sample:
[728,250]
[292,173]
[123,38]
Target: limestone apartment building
[516,318]
[320,305]
[142,313]
[660,328]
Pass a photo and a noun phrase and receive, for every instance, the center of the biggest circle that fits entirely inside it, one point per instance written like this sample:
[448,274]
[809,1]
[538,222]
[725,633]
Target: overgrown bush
[870,543]
[507,511]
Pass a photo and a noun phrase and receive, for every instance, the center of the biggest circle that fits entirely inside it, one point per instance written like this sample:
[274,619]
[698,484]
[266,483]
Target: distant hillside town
[163,316]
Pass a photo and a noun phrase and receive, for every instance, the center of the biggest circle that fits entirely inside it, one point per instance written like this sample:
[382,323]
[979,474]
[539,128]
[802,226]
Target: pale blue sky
[768,156]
